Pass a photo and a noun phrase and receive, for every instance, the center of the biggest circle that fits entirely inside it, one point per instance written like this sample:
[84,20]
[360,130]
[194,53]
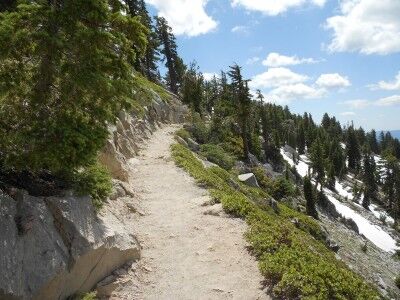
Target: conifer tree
[66,71]
[369,179]
[173,63]
[301,139]
[309,196]
[7,5]
[317,161]
[193,89]
[353,150]
[242,103]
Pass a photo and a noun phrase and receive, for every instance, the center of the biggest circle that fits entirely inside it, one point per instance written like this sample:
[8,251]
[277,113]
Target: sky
[336,56]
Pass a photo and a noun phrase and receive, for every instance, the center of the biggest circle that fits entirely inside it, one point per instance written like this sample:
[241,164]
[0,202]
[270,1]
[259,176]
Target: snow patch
[372,232]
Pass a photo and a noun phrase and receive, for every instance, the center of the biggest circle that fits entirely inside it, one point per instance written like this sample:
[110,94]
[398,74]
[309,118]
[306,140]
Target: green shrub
[397,281]
[278,188]
[95,181]
[217,155]
[199,129]
[88,296]
[292,258]
[183,134]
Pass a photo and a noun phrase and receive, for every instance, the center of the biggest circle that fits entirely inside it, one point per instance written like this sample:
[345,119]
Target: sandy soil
[190,250]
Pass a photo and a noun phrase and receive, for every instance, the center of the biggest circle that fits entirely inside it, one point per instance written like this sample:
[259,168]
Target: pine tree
[373,142]
[369,179]
[193,89]
[353,150]
[317,161]
[301,139]
[242,102]
[7,5]
[173,63]
[309,196]
[66,70]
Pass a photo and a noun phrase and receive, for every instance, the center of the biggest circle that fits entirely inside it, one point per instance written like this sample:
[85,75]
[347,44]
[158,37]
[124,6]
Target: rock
[295,222]
[253,160]
[216,210]
[249,179]
[269,170]
[114,161]
[241,167]
[381,283]
[349,223]
[274,205]
[332,245]
[181,141]
[67,250]
[193,145]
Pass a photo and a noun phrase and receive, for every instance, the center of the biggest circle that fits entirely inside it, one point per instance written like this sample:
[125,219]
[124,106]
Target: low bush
[293,260]
[183,134]
[217,155]
[278,188]
[95,181]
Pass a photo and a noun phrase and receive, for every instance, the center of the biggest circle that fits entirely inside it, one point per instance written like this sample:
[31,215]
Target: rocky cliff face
[56,247]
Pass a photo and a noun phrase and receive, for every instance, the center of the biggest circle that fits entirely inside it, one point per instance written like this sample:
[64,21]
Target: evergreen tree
[373,142]
[173,63]
[193,89]
[242,102]
[66,71]
[309,196]
[7,5]
[301,139]
[317,161]
[369,179]
[353,149]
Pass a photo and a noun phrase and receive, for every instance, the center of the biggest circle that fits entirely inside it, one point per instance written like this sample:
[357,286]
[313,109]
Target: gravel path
[190,250]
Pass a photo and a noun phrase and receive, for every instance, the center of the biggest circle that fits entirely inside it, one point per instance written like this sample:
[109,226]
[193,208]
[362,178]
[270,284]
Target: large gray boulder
[249,179]
[52,248]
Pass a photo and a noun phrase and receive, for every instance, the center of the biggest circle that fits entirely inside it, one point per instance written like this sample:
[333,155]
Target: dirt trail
[190,251]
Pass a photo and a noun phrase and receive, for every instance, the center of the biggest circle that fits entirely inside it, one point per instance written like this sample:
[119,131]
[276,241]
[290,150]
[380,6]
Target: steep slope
[191,251]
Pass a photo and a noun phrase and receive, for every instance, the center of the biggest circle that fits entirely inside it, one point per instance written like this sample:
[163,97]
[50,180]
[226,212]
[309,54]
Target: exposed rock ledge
[56,247]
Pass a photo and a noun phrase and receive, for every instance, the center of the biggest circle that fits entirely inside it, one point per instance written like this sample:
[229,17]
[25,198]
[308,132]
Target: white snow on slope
[378,213]
[343,191]
[372,232]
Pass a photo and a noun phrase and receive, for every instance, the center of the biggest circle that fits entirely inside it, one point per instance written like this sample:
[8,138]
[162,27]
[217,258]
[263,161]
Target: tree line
[247,125]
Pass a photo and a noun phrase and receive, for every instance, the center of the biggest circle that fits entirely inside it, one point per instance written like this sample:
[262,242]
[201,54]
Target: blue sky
[340,57]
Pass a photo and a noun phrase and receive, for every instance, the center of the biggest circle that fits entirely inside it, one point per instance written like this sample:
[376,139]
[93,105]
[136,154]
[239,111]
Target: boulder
[349,223]
[274,205]
[181,141]
[67,251]
[193,145]
[249,179]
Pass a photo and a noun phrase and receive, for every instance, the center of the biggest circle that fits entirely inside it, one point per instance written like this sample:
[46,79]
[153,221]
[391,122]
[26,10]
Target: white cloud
[276,77]
[208,76]
[348,113]
[286,93]
[366,26]
[388,101]
[240,29]
[274,7]
[186,17]
[357,103]
[361,103]
[333,80]
[252,60]
[277,60]
[388,86]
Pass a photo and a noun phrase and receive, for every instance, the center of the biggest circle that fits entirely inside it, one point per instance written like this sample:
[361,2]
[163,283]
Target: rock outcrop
[58,247]
[127,136]
[66,248]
